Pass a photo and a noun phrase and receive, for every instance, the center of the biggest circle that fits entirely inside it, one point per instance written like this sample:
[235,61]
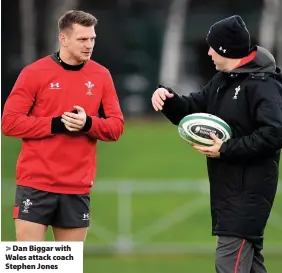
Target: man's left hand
[211,151]
[74,122]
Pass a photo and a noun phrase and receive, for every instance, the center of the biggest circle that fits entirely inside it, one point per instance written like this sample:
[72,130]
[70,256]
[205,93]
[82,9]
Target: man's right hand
[158,98]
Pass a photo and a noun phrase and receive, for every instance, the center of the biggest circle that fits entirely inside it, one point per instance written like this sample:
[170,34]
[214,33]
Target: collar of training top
[58,60]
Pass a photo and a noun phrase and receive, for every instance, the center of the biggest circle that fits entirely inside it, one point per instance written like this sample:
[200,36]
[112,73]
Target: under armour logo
[86,216]
[237,90]
[222,49]
[55,85]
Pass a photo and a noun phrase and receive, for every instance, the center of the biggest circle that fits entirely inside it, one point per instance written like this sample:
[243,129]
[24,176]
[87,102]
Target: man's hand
[158,98]
[74,122]
[212,151]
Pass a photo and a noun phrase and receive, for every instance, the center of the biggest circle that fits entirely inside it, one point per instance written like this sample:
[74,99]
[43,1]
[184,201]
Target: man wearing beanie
[243,171]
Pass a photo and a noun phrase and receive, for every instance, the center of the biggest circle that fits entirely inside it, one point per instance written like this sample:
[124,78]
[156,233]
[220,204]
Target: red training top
[61,163]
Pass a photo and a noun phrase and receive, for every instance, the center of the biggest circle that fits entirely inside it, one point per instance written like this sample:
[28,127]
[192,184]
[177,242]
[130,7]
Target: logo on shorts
[27,205]
[86,217]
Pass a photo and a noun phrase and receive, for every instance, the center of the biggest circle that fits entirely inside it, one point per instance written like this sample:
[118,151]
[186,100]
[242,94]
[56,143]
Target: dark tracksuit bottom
[236,255]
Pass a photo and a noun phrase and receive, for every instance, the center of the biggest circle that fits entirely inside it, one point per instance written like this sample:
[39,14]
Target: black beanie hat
[230,38]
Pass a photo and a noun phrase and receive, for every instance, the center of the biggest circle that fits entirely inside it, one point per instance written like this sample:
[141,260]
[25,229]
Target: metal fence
[128,241]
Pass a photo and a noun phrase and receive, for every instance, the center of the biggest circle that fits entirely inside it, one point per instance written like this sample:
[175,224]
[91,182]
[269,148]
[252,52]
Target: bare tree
[268,23]
[57,7]
[172,44]
[28,31]
[279,36]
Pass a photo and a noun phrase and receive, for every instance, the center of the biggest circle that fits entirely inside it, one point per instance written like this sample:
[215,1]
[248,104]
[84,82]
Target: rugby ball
[196,129]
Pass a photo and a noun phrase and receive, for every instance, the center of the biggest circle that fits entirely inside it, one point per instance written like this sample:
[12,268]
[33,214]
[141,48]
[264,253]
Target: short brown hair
[76,17]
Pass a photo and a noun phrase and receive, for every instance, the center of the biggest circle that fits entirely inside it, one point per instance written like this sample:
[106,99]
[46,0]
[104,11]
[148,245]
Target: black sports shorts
[54,209]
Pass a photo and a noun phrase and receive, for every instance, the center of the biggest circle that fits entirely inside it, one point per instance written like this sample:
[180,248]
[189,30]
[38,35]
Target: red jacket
[61,163]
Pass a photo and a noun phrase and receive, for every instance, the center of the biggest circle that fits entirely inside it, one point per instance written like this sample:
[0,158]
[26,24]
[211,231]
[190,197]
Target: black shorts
[54,209]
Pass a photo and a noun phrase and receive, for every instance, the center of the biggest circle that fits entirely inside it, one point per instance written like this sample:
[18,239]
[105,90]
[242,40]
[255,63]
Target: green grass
[146,151]
[164,264]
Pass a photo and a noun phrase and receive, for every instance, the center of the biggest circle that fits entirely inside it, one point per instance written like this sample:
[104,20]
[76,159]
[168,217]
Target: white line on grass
[176,216]
[101,232]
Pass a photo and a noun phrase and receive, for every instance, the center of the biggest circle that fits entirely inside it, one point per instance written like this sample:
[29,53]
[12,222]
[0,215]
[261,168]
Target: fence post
[124,213]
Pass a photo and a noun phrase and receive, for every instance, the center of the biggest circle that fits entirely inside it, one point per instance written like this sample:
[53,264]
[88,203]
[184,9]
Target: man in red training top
[60,106]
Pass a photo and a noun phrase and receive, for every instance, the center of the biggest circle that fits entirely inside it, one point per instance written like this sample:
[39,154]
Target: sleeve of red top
[16,121]
[111,127]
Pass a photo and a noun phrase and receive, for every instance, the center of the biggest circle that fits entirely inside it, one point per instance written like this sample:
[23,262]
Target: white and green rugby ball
[196,129]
